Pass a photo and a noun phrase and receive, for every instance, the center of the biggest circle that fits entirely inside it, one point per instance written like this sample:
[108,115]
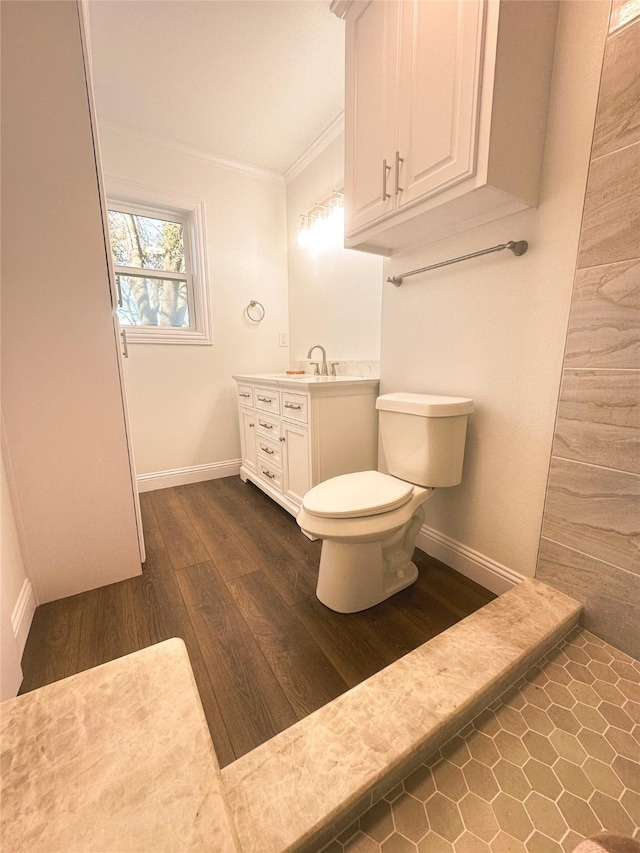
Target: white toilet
[369,521]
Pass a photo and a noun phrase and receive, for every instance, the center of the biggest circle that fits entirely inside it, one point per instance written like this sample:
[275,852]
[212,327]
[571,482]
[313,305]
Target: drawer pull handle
[251,425]
[265,399]
[282,438]
[268,474]
[291,406]
[266,426]
[244,394]
[267,450]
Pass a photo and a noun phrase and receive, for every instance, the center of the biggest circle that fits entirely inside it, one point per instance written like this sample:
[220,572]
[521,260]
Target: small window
[158,261]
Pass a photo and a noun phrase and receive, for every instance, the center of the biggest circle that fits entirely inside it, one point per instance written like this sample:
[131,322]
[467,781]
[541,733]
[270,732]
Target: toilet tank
[422,437]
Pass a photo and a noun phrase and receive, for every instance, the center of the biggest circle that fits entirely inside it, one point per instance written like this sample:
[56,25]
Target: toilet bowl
[369,520]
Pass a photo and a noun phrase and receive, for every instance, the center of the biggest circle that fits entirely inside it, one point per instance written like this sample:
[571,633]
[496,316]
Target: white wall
[334,294]
[494,328]
[182,399]
[61,394]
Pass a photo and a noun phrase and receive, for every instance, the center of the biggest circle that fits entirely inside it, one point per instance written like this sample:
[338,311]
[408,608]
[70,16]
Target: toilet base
[354,576]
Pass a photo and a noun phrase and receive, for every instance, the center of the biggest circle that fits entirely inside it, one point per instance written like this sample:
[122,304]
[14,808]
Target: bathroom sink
[302,379]
[305,377]
[312,377]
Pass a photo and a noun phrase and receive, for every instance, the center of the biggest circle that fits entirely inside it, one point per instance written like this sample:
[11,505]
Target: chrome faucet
[324,370]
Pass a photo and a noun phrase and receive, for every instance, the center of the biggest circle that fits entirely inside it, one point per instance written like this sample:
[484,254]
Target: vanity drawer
[270,473]
[295,407]
[270,450]
[267,400]
[267,425]
[245,395]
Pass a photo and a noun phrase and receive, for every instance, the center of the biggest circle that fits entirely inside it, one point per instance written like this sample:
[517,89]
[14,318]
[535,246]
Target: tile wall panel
[591,523]
[594,510]
[603,325]
[610,595]
[599,418]
[618,116]
[611,218]
[622,12]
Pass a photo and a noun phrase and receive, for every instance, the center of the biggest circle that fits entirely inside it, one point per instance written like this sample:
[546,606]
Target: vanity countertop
[115,758]
[308,381]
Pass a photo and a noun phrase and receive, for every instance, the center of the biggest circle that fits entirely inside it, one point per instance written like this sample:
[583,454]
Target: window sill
[166,336]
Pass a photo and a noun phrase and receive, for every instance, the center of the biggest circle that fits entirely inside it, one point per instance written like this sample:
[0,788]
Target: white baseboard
[184,476]
[483,570]
[22,615]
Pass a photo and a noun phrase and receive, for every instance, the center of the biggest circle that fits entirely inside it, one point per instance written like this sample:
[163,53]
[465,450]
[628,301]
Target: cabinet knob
[282,438]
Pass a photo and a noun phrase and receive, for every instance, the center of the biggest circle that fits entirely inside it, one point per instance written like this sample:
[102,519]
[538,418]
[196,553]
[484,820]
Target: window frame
[131,198]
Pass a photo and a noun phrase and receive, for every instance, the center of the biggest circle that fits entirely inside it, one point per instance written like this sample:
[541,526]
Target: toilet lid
[353,495]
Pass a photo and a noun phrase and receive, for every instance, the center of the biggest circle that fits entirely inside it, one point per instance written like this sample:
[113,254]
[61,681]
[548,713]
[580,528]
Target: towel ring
[255,311]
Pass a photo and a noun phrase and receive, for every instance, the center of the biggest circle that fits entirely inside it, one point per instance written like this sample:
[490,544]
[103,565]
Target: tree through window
[156,244]
[159,253]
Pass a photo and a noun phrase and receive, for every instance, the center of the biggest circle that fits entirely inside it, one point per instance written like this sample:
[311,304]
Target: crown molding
[201,153]
[340,7]
[315,149]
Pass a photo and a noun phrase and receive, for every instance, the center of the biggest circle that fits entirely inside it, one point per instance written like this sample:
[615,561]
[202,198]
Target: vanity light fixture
[323,226]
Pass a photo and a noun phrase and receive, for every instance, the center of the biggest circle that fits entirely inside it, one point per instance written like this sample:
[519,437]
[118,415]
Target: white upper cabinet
[371,67]
[439,81]
[445,116]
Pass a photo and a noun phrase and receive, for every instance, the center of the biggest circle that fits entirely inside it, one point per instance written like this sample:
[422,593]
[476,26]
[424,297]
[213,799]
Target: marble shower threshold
[302,787]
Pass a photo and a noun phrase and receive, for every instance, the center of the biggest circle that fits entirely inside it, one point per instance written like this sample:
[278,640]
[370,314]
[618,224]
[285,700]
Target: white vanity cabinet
[295,433]
[445,115]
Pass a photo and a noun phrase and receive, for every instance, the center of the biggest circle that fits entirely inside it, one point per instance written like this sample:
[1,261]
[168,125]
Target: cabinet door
[370,120]
[248,438]
[439,92]
[296,461]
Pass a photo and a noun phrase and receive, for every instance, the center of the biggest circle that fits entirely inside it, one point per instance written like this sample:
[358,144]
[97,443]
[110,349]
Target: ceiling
[255,81]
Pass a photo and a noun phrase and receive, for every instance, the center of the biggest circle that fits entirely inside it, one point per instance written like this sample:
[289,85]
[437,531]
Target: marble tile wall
[591,526]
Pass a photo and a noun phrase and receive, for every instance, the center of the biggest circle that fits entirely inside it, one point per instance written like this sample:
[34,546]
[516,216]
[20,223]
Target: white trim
[201,153]
[184,476]
[483,570]
[122,193]
[316,148]
[120,341]
[22,614]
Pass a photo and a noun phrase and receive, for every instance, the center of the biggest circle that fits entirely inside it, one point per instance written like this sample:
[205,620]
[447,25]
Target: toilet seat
[358,495]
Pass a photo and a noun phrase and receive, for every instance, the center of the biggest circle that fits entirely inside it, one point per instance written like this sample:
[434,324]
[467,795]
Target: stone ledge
[295,791]
[115,758]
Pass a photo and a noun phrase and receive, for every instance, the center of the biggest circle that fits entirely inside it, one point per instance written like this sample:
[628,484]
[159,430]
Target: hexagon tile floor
[554,760]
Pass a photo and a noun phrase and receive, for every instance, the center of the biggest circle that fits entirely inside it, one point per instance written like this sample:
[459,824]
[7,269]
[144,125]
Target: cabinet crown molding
[340,7]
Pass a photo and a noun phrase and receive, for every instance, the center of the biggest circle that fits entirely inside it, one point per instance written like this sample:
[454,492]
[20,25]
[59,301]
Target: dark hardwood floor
[230,572]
